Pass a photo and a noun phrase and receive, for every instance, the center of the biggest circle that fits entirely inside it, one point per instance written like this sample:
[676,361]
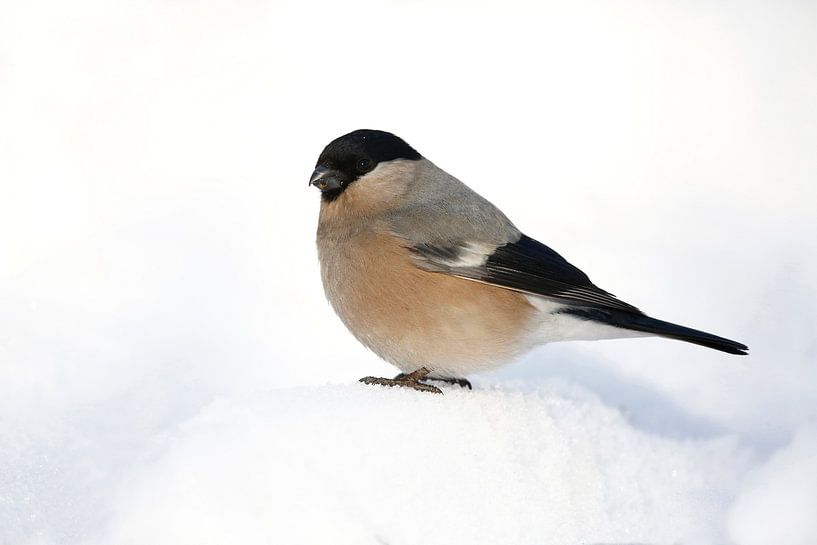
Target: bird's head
[354,156]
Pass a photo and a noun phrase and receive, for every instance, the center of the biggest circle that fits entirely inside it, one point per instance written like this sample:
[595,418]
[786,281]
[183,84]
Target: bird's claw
[410,380]
[461,382]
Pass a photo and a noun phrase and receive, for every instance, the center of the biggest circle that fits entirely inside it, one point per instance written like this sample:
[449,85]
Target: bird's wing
[451,229]
[525,265]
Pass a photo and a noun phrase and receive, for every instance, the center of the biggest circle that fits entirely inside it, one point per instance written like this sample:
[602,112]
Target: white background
[157,250]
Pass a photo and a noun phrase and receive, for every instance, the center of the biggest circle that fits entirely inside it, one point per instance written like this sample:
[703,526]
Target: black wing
[525,265]
[531,267]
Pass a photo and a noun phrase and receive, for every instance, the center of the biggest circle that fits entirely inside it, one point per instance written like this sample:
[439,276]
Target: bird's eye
[364,165]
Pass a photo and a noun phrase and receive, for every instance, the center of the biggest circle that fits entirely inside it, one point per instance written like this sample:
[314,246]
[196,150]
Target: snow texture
[171,373]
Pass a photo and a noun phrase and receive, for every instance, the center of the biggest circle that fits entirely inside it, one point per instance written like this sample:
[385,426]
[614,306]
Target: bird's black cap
[378,146]
[353,155]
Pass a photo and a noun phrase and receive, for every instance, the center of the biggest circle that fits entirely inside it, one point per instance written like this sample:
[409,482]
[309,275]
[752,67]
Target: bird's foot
[461,382]
[410,380]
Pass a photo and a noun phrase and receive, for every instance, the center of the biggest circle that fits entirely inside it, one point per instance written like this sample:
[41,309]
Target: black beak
[326,179]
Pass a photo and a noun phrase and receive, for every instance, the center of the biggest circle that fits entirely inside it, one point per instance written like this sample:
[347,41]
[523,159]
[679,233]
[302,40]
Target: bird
[437,281]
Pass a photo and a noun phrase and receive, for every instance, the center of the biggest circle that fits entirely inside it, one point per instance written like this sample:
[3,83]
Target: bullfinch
[437,281]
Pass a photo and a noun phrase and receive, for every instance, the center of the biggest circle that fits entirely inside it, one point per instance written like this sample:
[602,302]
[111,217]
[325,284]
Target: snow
[314,465]
[170,370]
[783,490]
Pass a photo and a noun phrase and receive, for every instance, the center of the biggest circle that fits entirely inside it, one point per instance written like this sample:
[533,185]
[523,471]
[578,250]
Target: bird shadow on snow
[642,405]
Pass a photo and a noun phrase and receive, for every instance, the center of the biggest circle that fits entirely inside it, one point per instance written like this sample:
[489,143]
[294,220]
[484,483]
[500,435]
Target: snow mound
[784,489]
[357,464]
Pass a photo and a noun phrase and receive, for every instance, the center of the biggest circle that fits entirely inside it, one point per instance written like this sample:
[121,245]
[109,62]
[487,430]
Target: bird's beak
[325,179]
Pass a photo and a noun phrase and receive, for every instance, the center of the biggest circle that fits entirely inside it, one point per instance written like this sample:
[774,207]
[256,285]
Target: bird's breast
[414,318]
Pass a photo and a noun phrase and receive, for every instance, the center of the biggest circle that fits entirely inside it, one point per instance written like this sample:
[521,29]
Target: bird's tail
[641,322]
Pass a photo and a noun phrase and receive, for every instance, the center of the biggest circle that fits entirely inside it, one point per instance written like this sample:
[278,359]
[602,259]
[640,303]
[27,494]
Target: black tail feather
[641,322]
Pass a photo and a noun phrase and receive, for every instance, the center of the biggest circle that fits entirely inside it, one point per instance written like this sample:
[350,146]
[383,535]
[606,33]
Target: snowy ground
[170,371]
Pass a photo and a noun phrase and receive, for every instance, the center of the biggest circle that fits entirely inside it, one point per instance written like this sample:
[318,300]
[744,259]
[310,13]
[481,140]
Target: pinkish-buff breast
[414,318]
